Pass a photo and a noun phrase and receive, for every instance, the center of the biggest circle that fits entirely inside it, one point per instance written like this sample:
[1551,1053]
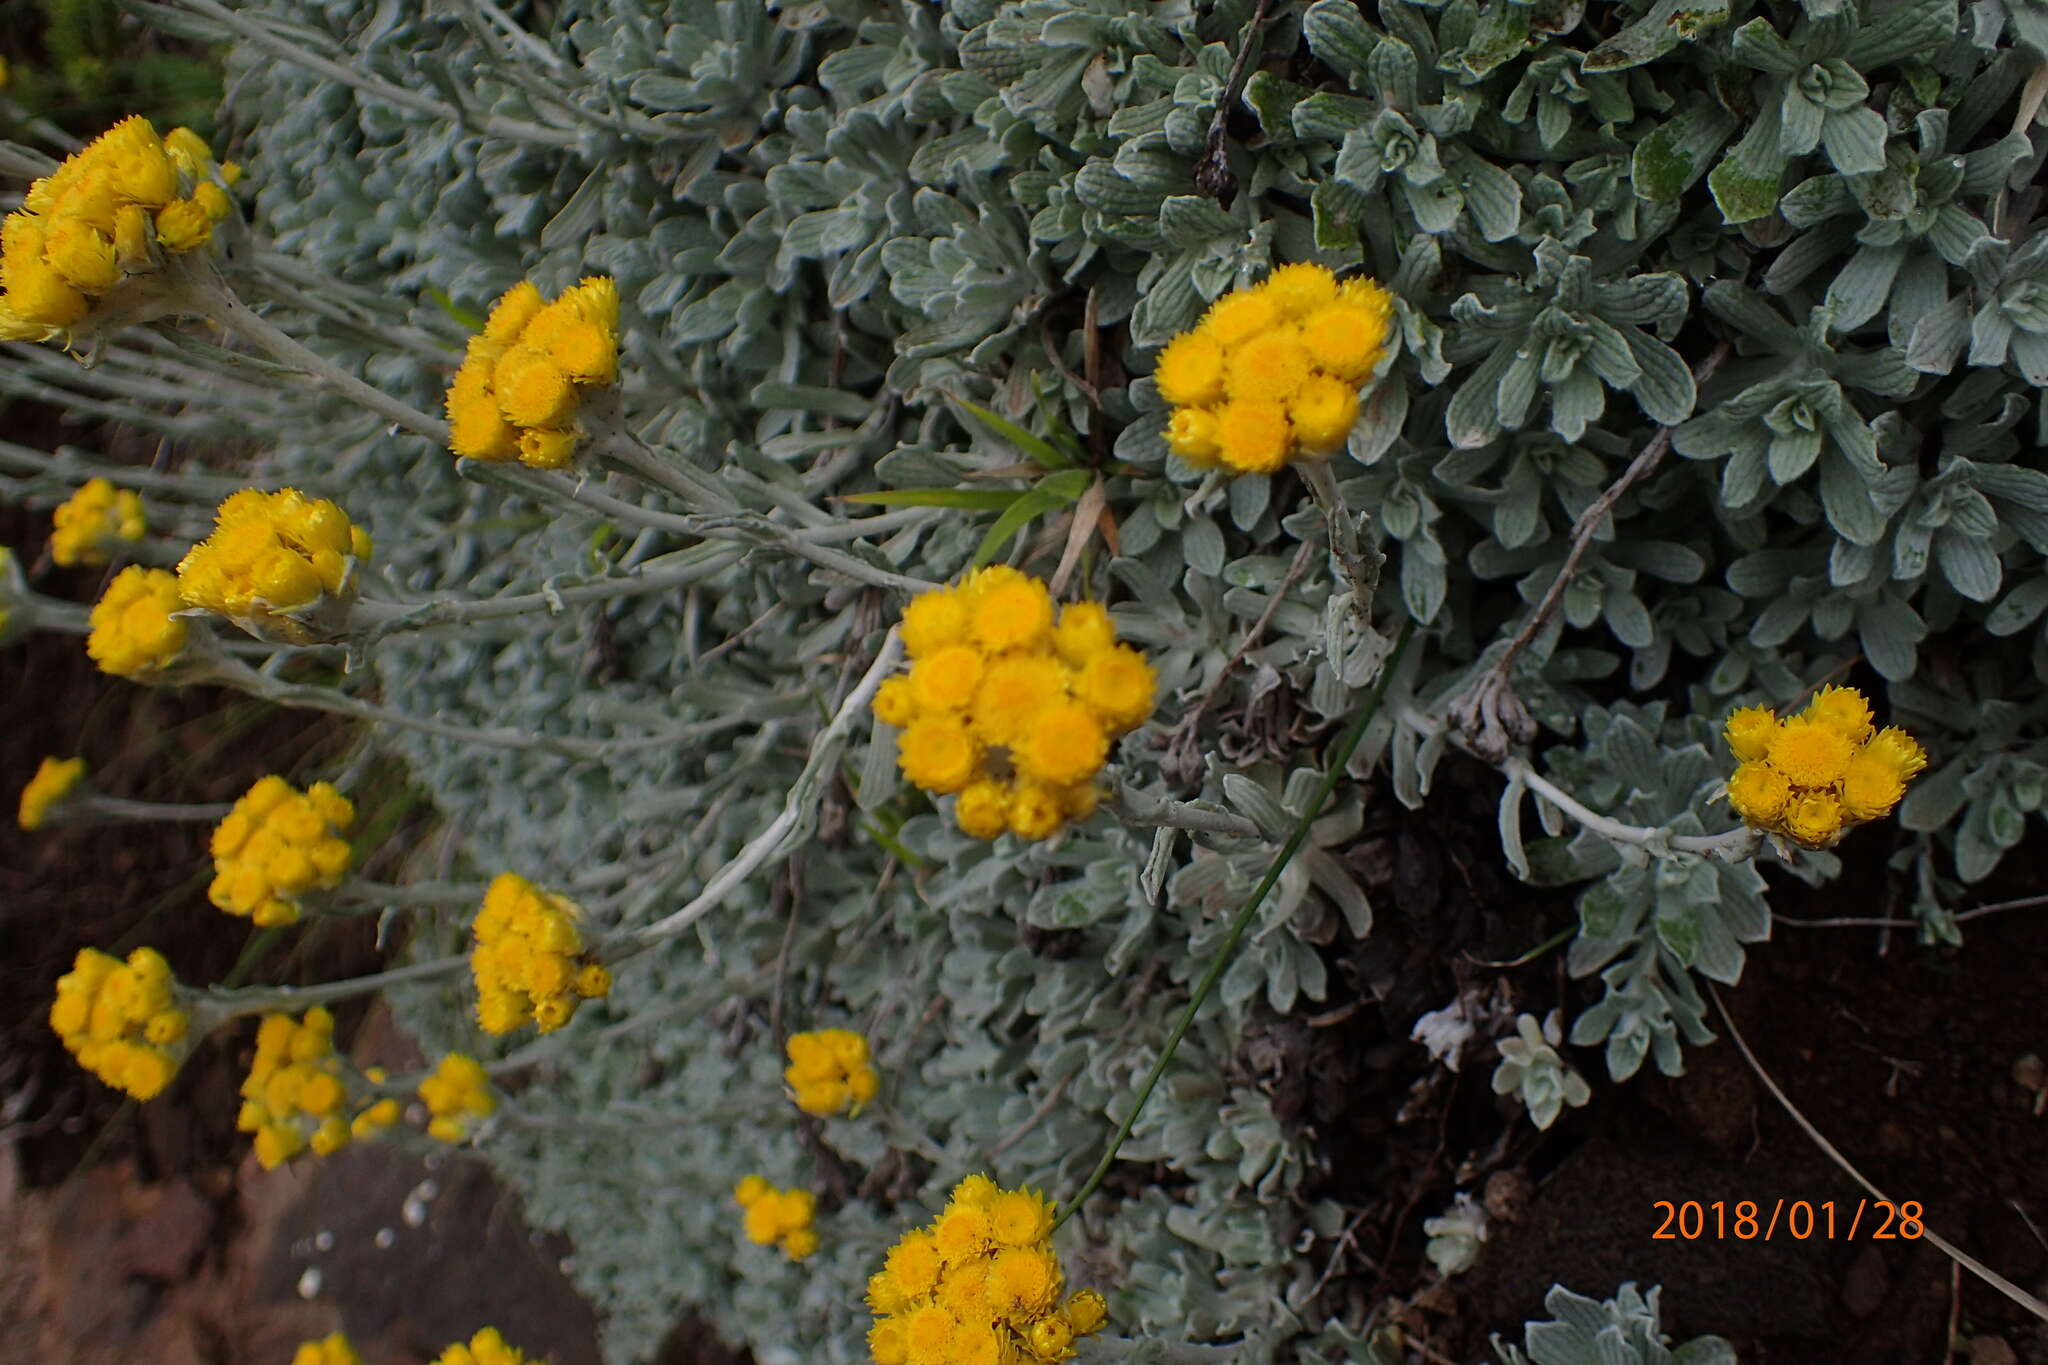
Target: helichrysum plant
[276,564]
[978,1285]
[523,377]
[297,1095]
[530,962]
[1811,777]
[277,847]
[829,1072]
[778,1218]
[1272,372]
[96,523]
[1011,703]
[1532,1070]
[124,1021]
[458,1096]
[53,781]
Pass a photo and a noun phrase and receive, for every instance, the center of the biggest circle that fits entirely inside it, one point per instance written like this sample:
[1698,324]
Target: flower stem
[235,1004]
[1339,758]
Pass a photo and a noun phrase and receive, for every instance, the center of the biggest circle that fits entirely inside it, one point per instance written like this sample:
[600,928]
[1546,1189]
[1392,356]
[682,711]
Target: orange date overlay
[1801,1220]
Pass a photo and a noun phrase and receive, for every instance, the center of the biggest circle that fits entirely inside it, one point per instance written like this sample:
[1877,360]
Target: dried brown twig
[1488,713]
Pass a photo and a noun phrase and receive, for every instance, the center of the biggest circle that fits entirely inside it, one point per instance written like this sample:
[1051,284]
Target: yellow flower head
[1239,316]
[1087,1312]
[529,962]
[829,1072]
[938,754]
[1814,819]
[1759,793]
[1871,788]
[94,521]
[1014,691]
[1809,755]
[1841,709]
[123,1021]
[913,1265]
[982,812]
[1190,370]
[1253,438]
[487,1347]
[963,1233]
[519,387]
[273,555]
[1085,630]
[1035,810]
[778,1217]
[1749,731]
[134,633]
[295,1095]
[1898,751]
[1007,609]
[1048,694]
[1191,434]
[1024,1282]
[1323,414]
[1051,1337]
[1268,368]
[1301,289]
[1347,338]
[329,1350]
[894,704]
[1020,1218]
[946,679]
[54,780]
[458,1096]
[276,847]
[1063,743]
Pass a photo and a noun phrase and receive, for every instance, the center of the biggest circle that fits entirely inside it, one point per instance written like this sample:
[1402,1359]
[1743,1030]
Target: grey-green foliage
[1532,1071]
[1624,1330]
[825,217]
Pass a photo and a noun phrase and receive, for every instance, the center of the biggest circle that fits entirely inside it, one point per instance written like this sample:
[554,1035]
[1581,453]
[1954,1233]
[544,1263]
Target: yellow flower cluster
[134,632]
[271,555]
[1812,776]
[102,216]
[529,961]
[516,393]
[485,1348]
[778,1217]
[1007,708]
[979,1285]
[1273,371]
[829,1072]
[54,779]
[458,1096]
[121,1020]
[96,520]
[330,1350]
[276,845]
[295,1098]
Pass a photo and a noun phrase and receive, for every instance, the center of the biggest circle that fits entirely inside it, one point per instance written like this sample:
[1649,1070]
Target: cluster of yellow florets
[1812,776]
[95,521]
[101,216]
[330,1350]
[1273,371]
[829,1073]
[1010,711]
[529,962]
[516,394]
[134,632]
[485,1348]
[54,779]
[276,845]
[458,1096]
[778,1217]
[121,1020]
[272,555]
[979,1285]
[295,1098]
